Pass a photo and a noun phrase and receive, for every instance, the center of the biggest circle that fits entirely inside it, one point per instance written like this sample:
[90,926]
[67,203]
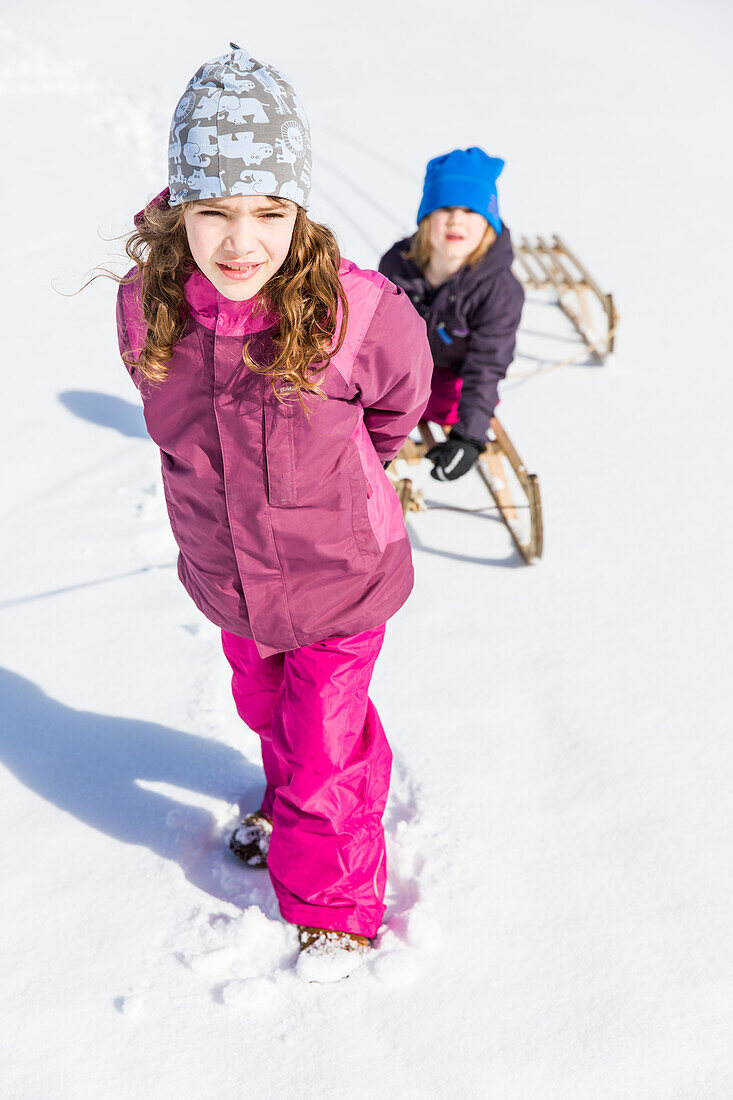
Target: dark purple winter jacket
[472,323]
[288,527]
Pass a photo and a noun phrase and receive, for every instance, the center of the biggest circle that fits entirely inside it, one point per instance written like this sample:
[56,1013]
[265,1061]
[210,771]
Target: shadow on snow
[92,766]
[106,411]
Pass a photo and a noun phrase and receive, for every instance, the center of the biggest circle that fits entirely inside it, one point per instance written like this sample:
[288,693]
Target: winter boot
[251,839]
[327,956]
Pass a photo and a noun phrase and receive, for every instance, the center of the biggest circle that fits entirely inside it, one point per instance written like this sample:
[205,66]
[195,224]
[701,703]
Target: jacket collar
[211,309]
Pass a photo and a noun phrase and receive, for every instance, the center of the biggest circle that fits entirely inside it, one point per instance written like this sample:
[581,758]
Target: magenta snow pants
[445,393]
[327,765]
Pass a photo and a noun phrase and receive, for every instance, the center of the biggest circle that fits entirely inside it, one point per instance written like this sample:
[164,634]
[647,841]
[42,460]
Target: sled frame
[490,468]
[540,265]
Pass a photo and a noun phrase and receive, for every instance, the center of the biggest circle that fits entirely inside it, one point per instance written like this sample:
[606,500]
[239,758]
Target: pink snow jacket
[288,528]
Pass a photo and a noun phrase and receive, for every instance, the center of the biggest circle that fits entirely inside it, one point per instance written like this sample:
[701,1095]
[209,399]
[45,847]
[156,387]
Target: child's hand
[455,457]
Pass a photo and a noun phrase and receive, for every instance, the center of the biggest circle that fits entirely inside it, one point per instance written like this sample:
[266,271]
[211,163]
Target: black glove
[455,457]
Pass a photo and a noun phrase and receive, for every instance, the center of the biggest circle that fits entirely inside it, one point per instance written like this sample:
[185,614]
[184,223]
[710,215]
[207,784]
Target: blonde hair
[420,249]
[305,293]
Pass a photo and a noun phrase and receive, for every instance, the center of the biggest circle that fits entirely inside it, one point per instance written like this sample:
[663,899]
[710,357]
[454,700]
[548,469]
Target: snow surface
[559,830]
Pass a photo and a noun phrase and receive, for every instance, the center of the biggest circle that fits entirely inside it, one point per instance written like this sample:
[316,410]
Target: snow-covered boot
[251,839]
[327,956]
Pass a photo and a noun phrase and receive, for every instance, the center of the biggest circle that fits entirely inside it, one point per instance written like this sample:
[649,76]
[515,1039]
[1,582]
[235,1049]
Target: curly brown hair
[420,250]
[305,293]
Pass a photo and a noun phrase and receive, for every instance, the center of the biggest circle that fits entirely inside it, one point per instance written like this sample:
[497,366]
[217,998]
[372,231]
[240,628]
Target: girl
[457,270]
[278,380]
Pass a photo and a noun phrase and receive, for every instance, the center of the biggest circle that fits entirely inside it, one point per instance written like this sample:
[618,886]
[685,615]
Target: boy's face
[239,242]
[456,232]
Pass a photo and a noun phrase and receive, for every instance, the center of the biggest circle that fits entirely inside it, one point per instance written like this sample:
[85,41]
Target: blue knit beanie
[465,177]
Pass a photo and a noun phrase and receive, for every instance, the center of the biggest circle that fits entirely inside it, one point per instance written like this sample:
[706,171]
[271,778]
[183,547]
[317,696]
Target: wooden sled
[553,267]
[526,531]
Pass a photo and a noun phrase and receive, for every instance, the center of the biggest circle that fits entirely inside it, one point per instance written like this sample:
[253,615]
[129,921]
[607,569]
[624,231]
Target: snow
[330,956]
[559,830]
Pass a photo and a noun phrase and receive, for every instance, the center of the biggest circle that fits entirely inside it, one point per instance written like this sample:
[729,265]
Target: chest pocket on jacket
[280,449]
[449,340]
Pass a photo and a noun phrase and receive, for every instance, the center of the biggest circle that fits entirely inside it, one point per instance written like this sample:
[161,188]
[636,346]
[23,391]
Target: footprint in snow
[246,956]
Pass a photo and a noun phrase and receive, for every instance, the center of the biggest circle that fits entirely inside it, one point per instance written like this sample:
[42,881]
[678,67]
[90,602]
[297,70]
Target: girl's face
[455,232]
[239,242]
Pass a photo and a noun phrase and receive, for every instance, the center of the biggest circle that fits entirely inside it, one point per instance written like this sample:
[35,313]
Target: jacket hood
[160,198]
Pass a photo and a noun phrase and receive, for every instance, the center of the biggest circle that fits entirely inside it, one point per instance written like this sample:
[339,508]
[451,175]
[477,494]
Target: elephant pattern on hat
[242,146]
[203,186]
[200,146]
[242,110]
[291,190]
[261,183]
[239,113]
[207,108]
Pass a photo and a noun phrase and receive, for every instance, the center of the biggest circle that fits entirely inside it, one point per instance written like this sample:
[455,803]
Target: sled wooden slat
[530,485]
[412,452]
[507,447]
[491,472]
[606,300]
[587,277]
[544,266]
[561,288]
[405,494]
[551,278]
[530,278]
[538,520]
[566,277]
[500,489]
[428,439]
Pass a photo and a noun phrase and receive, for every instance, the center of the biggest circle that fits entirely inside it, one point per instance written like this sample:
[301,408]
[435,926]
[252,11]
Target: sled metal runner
[540,265]
[491,468]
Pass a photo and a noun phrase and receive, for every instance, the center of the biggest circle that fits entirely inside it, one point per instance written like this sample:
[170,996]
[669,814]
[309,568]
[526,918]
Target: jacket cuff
[458,432]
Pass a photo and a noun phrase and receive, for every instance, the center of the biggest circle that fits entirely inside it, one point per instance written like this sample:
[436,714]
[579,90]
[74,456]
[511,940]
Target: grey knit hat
[239,129]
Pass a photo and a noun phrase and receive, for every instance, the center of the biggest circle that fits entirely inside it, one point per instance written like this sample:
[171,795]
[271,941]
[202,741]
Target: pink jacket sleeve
[392,372]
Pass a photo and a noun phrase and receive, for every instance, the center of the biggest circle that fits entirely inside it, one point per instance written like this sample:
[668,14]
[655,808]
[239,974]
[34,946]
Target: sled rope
[473,511]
